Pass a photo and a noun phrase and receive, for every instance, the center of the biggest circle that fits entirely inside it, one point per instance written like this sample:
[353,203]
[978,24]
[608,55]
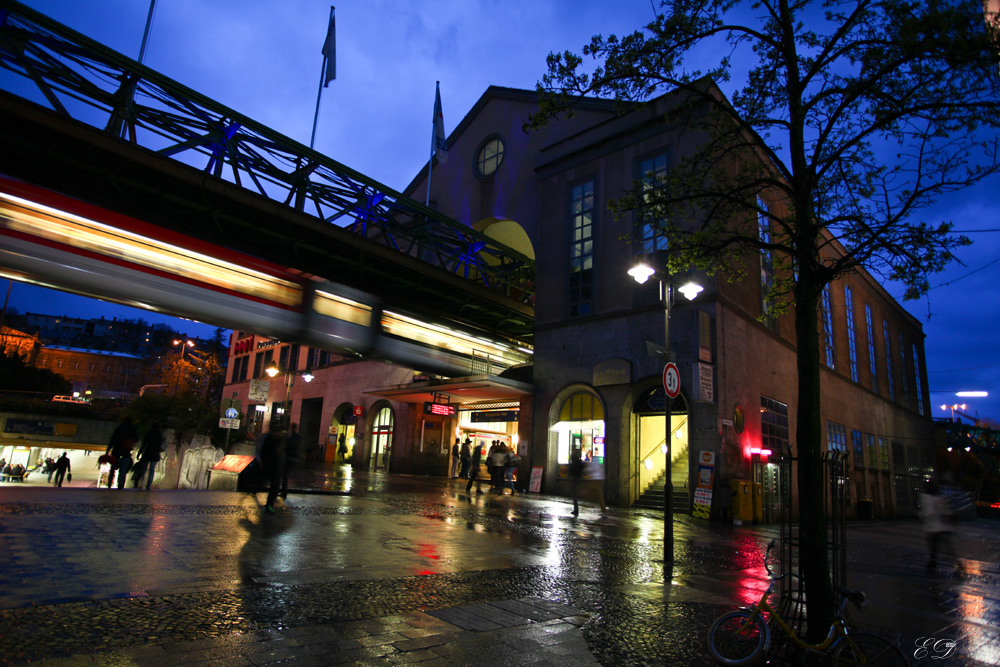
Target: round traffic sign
[232,413]
[671,380]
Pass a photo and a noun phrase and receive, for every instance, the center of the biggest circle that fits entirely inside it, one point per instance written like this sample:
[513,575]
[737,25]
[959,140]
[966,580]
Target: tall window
[836,437]
[852,341]
[872,448]
[827,309]
[859,449]
[888,360]
[766,261]
[903,383]
[871,347]
[916,380]
[651,173]
[773,425]
[581,253]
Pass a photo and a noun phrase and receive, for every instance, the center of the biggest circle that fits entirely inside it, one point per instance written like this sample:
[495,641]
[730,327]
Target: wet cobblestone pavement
[406,570]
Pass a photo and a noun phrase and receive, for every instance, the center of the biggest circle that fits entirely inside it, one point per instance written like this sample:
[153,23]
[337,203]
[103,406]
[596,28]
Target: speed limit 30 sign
[671,380]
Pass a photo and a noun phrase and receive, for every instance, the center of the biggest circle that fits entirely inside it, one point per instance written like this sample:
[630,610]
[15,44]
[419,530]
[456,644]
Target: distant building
[104,374]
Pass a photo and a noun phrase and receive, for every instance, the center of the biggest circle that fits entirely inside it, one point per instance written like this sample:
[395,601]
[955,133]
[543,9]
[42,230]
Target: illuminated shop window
[580,426]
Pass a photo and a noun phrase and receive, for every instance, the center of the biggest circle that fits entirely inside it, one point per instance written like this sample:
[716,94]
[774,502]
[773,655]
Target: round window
[490,156]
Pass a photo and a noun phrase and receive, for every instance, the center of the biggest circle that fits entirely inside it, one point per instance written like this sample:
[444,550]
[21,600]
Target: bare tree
[853,117]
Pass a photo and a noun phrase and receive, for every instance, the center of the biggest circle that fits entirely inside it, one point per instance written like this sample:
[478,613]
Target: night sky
[262,58]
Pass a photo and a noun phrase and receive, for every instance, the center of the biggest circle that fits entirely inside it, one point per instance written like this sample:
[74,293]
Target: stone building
[597,379]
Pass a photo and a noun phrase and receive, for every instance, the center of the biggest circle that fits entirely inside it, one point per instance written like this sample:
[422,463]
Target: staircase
[652,498]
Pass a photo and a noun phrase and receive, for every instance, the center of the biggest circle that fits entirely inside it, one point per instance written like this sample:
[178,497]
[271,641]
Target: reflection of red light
[424,573]
[428,551]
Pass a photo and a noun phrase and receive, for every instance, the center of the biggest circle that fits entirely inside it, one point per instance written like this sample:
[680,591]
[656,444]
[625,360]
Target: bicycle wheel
[737,639]
[862,648]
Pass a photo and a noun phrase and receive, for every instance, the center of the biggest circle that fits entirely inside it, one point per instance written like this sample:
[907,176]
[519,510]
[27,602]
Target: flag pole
[430,161]
[324,76]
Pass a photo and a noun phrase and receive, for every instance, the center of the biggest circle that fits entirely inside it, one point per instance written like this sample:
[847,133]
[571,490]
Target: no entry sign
[671,380]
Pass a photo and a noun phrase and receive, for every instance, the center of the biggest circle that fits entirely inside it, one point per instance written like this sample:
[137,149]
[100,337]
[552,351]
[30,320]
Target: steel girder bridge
[86,121]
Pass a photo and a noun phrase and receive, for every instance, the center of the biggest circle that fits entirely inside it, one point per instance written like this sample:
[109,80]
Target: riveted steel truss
[80,79]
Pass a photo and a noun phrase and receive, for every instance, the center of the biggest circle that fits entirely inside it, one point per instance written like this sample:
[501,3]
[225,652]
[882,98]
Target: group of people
[278,454]
[501,462]
[11,473]
[119,454]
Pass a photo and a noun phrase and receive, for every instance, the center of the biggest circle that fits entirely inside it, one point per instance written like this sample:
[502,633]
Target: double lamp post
[642,272]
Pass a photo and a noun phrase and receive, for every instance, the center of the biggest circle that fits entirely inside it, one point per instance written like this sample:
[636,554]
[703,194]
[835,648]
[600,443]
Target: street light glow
[972,394]
[641,272]
[690,290]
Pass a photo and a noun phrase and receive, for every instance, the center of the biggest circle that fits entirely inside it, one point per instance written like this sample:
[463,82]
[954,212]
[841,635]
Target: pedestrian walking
[342,447]
[576,477]
[510,466]
[50,467]
[293,457]
[456,453]
[498,463]
[120,446]
[149,455]
[938,524]
[63,468]
[475,462]
[465,458]
[271,459]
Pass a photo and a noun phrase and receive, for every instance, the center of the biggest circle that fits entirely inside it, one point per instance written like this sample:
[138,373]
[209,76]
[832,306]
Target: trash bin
[866,509]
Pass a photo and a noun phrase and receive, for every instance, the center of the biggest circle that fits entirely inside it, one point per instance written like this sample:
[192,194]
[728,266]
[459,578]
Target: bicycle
[743,636]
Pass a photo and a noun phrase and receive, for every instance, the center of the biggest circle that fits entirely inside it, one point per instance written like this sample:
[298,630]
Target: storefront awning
[474,389]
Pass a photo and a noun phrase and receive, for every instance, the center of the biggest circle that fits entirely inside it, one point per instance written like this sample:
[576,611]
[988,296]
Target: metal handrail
[86,81]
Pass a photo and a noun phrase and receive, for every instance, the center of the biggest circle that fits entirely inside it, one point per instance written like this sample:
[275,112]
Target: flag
[330,51]
[440,140]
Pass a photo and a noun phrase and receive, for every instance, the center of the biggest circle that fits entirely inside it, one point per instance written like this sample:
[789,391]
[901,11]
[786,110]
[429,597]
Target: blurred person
[271,459]
[938,524]
[456,453]
[498,463]
[476,461]
[149,455]
[62,468]
[575,476]
[342,447]
[465,458]
[120,446]
[510,465]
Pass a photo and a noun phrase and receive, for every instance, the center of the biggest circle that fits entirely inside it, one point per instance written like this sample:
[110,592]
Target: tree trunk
[813,555]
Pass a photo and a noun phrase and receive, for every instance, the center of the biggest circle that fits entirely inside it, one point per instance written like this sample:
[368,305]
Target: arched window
[580,427]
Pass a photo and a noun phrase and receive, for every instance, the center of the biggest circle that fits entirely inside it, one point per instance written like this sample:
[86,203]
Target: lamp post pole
[668,484]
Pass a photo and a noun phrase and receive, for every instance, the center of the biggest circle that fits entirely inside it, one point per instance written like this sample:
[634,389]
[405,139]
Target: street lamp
[180,362]
[642,272]
[272,370]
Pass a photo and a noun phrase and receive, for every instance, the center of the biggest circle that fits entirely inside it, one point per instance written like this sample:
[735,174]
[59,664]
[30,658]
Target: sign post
[671,380]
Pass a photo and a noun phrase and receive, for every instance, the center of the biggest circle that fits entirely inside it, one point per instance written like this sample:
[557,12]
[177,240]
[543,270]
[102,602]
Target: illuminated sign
[440,409]
[495,416]
[243,346]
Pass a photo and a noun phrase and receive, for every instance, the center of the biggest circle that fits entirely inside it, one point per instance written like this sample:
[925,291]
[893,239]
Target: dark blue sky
[263,59]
